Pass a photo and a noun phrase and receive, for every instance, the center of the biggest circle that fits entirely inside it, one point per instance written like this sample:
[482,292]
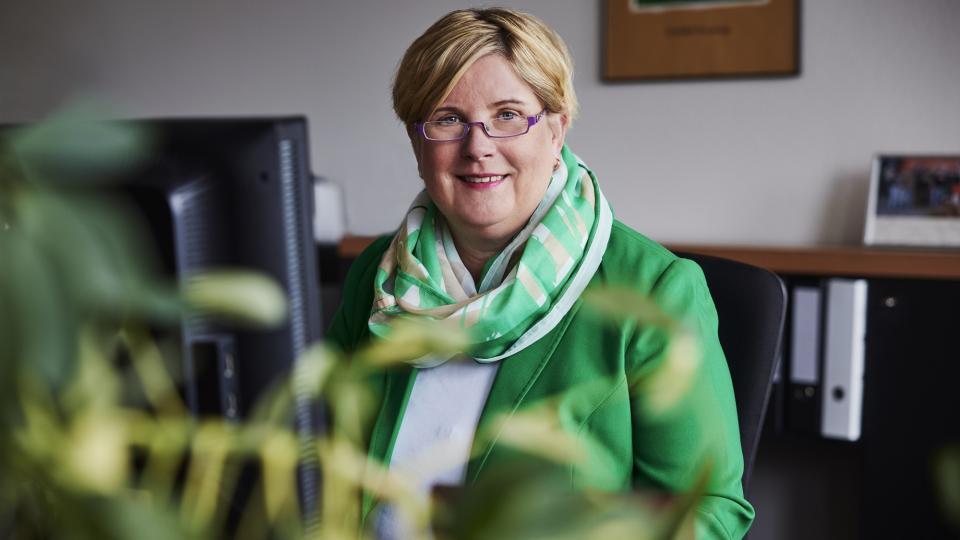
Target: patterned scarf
[524,291]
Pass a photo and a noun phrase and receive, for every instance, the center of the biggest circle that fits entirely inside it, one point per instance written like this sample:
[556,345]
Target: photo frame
[678,39]
[914,201]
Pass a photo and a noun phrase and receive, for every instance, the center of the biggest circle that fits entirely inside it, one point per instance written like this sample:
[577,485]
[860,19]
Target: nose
[477,145]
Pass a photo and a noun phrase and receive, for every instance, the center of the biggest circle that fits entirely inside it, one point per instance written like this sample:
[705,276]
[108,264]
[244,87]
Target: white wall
[780,161]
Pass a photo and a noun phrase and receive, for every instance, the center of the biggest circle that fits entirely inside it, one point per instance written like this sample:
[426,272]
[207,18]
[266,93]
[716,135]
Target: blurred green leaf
[523,498]
[134,516]
[210,446]
[37,329]
[79,288]
[662,388]
[240,296]
[946,471]
[279,455]
[148,362]
[78,145]
[529,498]
[538,431]
[680,520]
[100,251]
[96,454]
[313,369]
[411,339]
[95,385]
[662,385]
[621,303]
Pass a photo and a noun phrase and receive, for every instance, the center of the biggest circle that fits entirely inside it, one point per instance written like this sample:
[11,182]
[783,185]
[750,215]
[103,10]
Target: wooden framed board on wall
[675,39]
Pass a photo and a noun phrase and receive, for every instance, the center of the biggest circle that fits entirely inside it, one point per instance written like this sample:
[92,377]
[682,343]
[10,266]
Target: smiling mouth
[482,179]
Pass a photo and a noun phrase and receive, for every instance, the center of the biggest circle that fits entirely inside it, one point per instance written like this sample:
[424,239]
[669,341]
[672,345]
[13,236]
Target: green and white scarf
[520,298]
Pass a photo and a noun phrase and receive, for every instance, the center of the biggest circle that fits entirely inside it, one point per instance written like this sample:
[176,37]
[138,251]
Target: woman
[511,229]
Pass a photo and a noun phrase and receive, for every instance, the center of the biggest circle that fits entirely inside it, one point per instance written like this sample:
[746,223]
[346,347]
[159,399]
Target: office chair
[751,305]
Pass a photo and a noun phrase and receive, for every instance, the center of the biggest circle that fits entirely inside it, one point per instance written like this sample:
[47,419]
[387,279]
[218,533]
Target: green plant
[99,445]
[77,290]
[946,476]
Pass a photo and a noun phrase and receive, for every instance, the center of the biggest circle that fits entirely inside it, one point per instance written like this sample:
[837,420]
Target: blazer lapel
[396,391]
[516,375]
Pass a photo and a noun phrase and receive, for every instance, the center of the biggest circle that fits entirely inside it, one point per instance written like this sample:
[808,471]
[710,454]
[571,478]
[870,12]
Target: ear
[558,130]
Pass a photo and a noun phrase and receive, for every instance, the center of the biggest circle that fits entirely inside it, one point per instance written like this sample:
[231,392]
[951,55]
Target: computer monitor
[236,193]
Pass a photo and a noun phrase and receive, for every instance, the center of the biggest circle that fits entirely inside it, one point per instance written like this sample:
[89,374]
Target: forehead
[489,81]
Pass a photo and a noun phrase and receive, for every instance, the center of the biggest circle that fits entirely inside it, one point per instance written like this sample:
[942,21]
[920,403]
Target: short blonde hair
[435,62]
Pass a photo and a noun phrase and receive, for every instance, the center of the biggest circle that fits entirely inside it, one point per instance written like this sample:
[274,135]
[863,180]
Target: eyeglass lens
[496,127]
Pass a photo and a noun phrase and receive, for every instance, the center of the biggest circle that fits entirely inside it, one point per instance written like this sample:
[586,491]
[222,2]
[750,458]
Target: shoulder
[635,261]
[368,260]
[358,285]
[349,323]
[627,246]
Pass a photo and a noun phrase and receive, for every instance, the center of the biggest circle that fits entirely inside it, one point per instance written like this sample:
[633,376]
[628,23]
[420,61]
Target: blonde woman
[511,228]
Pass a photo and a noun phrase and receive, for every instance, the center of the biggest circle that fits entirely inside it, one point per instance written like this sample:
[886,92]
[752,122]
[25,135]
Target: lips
[483,179]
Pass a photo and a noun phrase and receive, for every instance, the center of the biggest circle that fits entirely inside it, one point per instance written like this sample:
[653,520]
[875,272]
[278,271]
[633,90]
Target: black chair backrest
[751,305]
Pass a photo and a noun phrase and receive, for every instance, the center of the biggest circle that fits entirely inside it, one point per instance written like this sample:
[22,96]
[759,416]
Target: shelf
[808,261]
[841,260]
[352,246]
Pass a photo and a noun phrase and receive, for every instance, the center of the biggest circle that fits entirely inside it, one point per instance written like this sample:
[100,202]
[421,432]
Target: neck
[475,252]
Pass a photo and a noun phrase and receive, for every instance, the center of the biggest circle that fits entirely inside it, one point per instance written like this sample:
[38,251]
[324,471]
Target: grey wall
[747,161]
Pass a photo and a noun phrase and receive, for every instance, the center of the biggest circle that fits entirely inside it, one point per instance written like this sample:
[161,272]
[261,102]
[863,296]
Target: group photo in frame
[914,201]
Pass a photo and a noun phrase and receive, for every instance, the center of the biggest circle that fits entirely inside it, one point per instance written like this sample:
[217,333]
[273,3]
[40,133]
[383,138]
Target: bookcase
[882,485]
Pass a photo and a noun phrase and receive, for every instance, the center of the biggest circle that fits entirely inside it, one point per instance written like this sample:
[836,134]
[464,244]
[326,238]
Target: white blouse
[436,432]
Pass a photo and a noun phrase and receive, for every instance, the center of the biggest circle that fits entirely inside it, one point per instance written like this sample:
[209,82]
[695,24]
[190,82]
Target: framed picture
[674,39]
[914,201]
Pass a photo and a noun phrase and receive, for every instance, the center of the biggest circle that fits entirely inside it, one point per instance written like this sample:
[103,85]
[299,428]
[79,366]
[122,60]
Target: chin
[485,226]
[475,224]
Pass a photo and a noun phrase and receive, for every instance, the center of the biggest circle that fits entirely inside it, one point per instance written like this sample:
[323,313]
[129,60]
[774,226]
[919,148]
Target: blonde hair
[434,63]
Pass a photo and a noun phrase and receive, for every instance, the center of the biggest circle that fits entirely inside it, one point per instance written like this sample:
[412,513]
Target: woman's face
[515,171]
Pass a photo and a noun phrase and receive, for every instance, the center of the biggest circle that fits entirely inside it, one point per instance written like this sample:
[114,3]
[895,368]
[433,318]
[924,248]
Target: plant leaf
[240,296]
[77,145]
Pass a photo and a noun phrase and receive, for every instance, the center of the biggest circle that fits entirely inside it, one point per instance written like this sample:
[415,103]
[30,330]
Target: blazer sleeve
[670,448]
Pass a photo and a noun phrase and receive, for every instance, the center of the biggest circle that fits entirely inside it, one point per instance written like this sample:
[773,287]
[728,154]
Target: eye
[508,115]
[448,119]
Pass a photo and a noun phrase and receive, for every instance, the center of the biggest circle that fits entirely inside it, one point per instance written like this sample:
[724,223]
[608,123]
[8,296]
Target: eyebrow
[501,103]
[511,101]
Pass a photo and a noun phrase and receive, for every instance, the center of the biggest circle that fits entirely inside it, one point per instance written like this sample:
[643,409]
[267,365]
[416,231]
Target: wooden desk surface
[808,261]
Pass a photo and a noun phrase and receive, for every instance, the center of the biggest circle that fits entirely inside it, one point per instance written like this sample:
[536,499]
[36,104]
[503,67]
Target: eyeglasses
[501,127]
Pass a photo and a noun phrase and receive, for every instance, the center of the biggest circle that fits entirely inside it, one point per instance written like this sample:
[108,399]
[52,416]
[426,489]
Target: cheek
[537,161]
[435,159]
[435,171]
[536,178]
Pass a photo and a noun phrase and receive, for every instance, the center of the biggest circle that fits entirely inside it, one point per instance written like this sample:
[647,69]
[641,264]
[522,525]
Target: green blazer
[661,453]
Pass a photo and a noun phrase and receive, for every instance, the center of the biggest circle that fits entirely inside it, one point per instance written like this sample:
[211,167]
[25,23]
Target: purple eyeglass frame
[531,121]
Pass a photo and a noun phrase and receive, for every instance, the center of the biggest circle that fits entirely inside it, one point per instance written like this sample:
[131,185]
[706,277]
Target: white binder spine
[843,360]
